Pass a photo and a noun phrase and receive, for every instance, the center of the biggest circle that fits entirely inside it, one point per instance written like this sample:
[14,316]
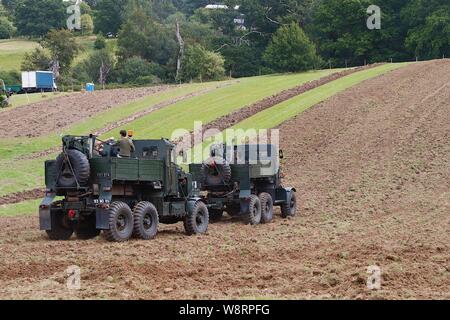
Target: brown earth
[371,166]
[44,117]
[22,196]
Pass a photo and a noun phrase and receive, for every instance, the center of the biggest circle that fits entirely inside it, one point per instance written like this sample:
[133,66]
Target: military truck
[90,189]
[244,181]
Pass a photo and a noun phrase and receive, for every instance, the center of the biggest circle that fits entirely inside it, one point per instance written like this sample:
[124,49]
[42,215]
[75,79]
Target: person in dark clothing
[126,145]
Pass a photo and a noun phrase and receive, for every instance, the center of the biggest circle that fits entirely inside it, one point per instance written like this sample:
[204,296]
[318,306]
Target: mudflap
[102,219]
[284,195]
[45,218]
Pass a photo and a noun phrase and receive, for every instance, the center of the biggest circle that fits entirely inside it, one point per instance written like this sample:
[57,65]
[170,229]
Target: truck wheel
[145,221]
[266,207]
[289,209]
[253,215]
[120,222]
[215,215]
[87,229]
[197,221]
[60,231]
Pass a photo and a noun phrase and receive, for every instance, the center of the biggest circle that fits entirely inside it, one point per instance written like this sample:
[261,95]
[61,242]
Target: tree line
[184,40]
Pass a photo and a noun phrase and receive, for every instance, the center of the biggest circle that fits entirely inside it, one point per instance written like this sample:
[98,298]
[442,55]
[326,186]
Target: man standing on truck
[126,145]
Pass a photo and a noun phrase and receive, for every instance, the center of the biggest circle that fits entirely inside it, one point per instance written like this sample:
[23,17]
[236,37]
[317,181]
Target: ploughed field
[371,166]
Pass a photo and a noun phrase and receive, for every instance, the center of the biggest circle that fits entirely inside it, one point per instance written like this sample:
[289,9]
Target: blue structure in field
[44,80]
[90,87]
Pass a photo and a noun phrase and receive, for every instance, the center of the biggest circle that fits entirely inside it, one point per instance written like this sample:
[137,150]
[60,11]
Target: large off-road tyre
[79,163]
[60,230]
[266,207]
[253,214]
[215,215]
[146,221]
[120,223]
[216,172]
[197,221]
[289,209]
[87,229]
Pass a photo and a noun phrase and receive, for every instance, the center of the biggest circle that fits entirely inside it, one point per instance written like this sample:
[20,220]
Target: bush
[147,80]
[87,24]
[88,70]
[10,77]
[201,64]
[291,50]
[100,42]
[137,70]
[38,59]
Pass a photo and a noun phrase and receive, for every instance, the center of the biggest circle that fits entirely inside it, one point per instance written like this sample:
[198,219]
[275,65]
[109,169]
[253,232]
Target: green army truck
[244,181]
[90,189]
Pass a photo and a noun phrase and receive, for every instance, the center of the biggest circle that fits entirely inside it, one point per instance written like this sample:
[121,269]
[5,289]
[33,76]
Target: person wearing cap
[126,145]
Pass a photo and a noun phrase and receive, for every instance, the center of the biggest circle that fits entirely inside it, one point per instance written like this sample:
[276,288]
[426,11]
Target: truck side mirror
[281,155]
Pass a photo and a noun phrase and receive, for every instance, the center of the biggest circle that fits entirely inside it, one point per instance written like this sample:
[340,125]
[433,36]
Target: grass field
[12,53]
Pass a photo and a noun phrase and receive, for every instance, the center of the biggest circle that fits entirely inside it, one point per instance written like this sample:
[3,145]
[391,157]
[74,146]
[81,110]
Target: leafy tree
[36,18]
[429,28]
[39,59]
[109,15]
[87,24]
[6,28]
[89,69]
[433,39]
[291,50]
[100,42]
[10,77]
[138,71]
[85,8]
[242,61]
[201,64]
[62,46]
[143,37]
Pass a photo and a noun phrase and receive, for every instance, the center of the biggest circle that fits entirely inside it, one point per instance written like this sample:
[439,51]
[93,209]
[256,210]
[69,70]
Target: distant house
[239,20]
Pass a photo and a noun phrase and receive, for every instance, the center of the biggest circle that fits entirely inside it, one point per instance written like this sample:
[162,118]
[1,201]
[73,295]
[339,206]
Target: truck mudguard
[45,220]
